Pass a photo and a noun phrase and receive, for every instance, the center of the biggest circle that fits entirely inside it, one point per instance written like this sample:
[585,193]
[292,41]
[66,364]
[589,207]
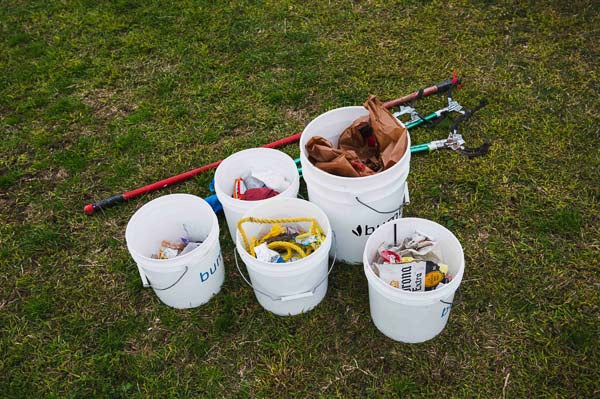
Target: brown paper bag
[332,160]
[390,135]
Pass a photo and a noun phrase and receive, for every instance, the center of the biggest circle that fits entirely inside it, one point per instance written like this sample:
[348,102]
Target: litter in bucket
[258,185]
[299,284]
[355,206]
[371,144]
[408,311]
[292,240]
[185,280]
[414,265]
[170,250]
[248,177]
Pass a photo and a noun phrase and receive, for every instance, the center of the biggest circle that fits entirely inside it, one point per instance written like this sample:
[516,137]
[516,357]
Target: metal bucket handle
[166,288]
[405,202]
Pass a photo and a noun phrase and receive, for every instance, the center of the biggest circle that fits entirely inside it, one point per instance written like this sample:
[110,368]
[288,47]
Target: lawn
[99,97]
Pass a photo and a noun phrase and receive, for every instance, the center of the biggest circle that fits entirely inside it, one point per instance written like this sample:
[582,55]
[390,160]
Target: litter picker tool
[89,209]
[455,141]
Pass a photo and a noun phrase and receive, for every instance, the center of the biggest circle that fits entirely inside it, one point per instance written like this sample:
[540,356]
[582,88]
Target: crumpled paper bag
[371,144]
[390,134]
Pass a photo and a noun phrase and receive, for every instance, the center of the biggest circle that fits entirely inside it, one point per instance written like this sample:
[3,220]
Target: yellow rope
[289,246]
[314,228]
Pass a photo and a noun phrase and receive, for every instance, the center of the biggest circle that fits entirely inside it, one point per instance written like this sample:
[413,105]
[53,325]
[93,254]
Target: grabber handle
[103,204]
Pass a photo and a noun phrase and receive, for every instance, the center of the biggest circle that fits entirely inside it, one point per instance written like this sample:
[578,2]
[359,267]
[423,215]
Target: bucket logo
[445,311]
[205,275]
[367,230]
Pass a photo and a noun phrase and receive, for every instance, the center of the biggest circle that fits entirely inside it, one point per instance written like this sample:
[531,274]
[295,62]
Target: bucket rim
[170,265]
[306,164]
[396,294]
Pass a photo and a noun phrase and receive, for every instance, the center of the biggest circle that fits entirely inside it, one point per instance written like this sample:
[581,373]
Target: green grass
[100,97]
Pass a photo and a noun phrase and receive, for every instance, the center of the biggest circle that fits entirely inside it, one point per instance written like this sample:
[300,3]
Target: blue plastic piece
[213,201]
[211,186]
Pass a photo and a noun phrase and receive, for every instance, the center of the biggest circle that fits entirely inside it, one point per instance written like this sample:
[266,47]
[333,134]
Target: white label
[406,276]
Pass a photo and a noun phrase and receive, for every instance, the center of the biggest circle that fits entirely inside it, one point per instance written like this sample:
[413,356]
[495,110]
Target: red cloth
[257,194]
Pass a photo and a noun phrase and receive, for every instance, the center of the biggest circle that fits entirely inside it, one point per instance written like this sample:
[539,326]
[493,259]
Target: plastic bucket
[413,316]
[356,206]
[188,280]
[290,288]
[240,163]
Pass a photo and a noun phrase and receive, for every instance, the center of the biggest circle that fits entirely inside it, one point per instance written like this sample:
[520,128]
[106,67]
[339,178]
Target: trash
[253,182]
[283,243]
[418,246]
[190,247]
[264,254]
[239,188]
[269,179]
[170,250]
[259,185]
[178,246]
[415,265]
[412,274]
[371,144]
[257,194]
[306,238]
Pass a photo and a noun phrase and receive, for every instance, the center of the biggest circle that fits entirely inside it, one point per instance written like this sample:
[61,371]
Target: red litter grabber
[89,209]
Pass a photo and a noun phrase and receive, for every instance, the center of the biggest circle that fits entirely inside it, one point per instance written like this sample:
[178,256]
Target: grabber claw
[456,141]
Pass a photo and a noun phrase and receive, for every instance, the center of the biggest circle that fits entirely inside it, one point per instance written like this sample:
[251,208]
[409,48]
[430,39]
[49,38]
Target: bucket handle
[460,299]
[405,202]
[171,286]
[287,297]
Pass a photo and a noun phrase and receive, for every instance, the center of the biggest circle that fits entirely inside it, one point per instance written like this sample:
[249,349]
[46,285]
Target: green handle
[419,148]
[419,122]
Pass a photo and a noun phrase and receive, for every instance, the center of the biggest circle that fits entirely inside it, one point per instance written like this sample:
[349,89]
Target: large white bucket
[356,206]
[242,162]
[287,288]
[413,316]
[188,280]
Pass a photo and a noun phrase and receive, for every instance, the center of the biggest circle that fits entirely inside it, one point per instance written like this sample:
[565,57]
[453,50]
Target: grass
[100,97]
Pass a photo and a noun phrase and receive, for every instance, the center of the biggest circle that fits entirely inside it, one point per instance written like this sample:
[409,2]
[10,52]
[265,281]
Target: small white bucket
[287,289]
[356,206]
[188,280]
[243,162]
[413,316]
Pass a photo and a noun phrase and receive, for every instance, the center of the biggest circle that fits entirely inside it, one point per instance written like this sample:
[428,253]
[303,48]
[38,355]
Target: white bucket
[413,316]
[290,288]
[242,162]
[356,206]
[188,280]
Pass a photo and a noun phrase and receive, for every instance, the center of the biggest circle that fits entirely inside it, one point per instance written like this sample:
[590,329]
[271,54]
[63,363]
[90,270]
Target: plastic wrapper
[263,253]
[170,249]
[418,246]
[273,180]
